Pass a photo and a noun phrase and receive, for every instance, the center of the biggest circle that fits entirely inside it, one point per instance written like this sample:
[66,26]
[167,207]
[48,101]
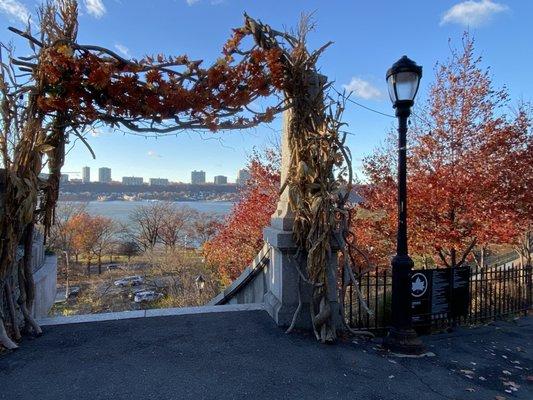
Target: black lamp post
[403,79]
[199,281]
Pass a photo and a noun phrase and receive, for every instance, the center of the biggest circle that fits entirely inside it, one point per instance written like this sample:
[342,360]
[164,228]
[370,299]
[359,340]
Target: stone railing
[251,286]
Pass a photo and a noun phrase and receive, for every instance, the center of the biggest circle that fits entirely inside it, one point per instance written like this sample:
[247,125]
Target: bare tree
[204,227]
[146,222]
[105,231]
[129,249]
[176,225]
[60,236]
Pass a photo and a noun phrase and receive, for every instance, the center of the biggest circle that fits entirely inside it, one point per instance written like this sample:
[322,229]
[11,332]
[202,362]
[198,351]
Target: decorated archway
[66,87]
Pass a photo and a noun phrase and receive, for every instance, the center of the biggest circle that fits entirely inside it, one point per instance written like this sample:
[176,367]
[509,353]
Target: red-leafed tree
[469,181]
[241,235]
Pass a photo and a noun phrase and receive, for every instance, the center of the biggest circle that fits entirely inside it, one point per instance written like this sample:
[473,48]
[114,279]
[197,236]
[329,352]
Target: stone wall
[45,286]
[44,269]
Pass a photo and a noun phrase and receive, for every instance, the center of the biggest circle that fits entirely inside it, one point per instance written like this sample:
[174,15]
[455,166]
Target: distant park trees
[157,225]
[91,236]
[169,225]
[61,234]
[129,249]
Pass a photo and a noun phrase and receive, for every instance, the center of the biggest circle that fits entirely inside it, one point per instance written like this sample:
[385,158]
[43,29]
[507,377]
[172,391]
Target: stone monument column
[283,217]
[281,299]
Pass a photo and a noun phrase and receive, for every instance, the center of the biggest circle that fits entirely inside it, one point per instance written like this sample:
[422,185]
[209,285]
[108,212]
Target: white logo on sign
[419,284]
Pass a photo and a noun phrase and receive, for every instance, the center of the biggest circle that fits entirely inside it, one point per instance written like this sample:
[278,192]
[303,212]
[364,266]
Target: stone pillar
[283,217]
[281,299]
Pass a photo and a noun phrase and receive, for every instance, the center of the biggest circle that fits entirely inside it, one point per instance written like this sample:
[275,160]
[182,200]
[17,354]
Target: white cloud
[192,2]
[95,7]
[472,13]
[15,9]
[123,50]
[153,154]
[363,89]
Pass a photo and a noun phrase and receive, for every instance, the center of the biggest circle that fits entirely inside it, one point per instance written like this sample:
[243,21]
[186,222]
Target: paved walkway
[243,355]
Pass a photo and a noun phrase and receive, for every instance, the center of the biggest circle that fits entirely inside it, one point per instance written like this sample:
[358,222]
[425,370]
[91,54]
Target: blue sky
[368,37]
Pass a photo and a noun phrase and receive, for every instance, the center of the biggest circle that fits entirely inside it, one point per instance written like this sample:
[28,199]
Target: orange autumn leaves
[89,235]
[93,86]
[241,235]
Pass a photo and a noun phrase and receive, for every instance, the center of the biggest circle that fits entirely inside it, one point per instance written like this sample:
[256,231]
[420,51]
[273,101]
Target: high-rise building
[104,175]
[198,177]
[158,182]
[63,178]
[86,174]
[220,180]
[242,176]
[132,180]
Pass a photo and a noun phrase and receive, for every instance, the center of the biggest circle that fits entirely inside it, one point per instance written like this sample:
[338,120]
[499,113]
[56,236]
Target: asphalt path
[243,355]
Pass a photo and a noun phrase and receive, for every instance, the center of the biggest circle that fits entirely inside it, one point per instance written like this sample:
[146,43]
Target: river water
[120,210]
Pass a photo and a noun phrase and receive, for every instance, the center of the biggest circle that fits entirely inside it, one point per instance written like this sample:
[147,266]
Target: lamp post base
[404,341]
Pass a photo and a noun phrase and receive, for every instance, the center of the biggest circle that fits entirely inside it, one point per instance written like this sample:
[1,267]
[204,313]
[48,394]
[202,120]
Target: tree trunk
[99,263]
[453,255]
[30,322]
[4,338]
[29,284]
[12,311]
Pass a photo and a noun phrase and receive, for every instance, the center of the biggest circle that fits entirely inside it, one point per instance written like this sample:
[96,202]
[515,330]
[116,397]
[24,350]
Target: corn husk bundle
[319,178]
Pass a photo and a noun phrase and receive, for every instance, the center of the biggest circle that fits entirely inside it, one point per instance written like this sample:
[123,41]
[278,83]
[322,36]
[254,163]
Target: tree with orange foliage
[241,235]
[469,178]
[90,236]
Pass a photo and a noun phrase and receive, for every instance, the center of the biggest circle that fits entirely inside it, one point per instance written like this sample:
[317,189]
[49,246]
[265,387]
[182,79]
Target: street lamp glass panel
[403,86]
[200,282]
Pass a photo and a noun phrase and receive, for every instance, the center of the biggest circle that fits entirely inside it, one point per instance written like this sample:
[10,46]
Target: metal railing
[496,292]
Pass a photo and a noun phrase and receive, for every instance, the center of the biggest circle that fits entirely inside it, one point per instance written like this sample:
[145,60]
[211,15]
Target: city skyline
[85,175]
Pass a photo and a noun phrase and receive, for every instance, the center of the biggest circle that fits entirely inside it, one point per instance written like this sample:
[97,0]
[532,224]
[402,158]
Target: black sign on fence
[439,294]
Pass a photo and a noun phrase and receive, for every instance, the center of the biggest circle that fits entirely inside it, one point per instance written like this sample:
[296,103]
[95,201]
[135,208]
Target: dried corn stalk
[319,178]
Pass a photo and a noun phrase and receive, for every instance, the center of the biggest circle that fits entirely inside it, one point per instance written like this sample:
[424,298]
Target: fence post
[529,286]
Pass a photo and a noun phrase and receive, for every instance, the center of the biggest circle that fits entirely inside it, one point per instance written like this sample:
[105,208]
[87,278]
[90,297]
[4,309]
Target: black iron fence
[495,292]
